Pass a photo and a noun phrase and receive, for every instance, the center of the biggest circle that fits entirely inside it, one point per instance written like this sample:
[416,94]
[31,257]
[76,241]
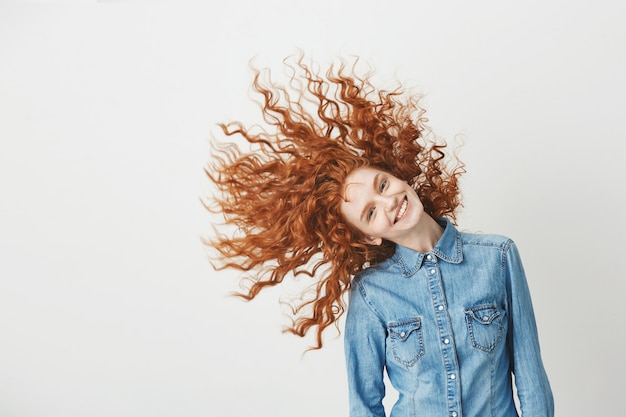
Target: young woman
[344,185]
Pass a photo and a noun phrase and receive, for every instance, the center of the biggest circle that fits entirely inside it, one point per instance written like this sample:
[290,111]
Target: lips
[402,209]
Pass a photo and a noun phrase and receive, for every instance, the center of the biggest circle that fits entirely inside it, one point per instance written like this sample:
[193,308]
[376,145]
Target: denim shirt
[450,328]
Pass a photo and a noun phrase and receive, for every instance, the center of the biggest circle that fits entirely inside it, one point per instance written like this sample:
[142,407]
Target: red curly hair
[283,194]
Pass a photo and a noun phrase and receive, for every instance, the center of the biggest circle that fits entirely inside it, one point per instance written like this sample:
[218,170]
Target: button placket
[444,325]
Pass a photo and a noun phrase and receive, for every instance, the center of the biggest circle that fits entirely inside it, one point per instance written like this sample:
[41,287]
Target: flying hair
[281,195]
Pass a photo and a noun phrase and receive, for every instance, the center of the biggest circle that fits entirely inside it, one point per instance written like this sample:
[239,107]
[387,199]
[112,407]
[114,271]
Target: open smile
[402,209]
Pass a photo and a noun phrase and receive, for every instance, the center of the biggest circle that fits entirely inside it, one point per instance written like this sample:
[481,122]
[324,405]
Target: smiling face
[382,206]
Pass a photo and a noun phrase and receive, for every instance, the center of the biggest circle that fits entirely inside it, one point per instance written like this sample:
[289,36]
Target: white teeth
[402,209]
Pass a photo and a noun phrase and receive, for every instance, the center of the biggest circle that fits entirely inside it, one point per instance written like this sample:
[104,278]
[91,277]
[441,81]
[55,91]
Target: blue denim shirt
[450,327]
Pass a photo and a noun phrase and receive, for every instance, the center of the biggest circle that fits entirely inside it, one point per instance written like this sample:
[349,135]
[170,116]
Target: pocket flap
[401,330]
[484,314]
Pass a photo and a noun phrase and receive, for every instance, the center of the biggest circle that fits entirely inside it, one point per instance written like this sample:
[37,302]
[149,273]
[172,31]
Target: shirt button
[440,308]
[429,257]
[485,318]
[432,271]
[452,376]
[453,414]
[446,341]
[402,334]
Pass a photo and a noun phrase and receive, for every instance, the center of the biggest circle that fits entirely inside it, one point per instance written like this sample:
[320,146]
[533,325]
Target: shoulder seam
[363,293]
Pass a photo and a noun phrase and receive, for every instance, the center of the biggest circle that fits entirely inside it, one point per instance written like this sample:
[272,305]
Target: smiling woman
[357,186]
[382,207]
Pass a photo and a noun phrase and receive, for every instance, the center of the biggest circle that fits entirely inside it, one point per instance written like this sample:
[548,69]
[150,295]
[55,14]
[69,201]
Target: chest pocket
[406,340]
[484,324]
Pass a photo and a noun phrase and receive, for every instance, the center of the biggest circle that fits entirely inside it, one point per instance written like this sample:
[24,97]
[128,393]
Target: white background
[108,304]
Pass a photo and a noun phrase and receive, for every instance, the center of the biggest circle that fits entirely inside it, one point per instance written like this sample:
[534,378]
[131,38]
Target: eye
[383,185]
[370,213]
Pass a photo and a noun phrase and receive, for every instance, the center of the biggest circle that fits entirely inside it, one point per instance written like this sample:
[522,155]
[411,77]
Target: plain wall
[108,303]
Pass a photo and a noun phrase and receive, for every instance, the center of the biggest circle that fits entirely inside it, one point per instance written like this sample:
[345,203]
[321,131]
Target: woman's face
[381,206]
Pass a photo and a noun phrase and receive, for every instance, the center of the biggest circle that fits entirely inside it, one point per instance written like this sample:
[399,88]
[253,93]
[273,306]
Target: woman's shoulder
[377,271]
[485,239]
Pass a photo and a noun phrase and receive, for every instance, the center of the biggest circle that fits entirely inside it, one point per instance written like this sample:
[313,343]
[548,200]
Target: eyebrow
[366,207]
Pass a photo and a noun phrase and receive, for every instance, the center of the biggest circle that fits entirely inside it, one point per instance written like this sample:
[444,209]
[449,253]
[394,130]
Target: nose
[390,203]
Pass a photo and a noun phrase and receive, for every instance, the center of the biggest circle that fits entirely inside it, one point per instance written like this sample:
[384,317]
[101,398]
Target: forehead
[359,181]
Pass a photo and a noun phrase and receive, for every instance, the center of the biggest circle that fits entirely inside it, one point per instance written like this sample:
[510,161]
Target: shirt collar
[448,249]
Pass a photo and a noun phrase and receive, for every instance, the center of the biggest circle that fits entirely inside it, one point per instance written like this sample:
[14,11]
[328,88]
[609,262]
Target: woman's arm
[531,381]
[364,343]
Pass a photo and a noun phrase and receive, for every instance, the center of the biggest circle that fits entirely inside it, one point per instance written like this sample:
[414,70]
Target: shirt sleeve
[364,344]
[531,381]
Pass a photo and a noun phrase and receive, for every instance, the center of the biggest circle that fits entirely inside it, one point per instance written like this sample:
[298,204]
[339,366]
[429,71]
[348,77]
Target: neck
[427,234]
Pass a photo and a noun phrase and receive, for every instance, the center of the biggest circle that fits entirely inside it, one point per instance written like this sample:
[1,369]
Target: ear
[369,240]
